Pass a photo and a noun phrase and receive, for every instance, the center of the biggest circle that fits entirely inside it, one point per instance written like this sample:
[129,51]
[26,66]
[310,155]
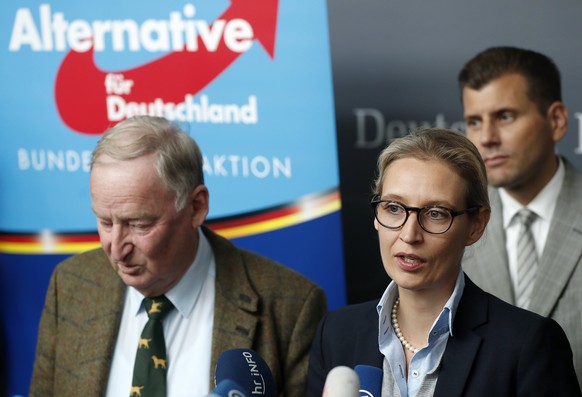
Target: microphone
[341,382]
[370,380]
[247,369]
[227,388]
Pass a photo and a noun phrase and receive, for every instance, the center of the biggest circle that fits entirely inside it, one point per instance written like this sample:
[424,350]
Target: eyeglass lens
[431,219]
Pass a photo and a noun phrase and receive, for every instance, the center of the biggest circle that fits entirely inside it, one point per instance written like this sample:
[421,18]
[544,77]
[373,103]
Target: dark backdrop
[395,65]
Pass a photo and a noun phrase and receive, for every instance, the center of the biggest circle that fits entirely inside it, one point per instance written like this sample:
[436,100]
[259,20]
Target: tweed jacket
[558,287]
[259,304]
[496,350]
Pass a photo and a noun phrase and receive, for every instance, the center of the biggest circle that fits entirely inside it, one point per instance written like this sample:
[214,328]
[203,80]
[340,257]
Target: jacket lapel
[236,302]
[103,299]
[486,261]
[463,346]
[367,350]
[563,249]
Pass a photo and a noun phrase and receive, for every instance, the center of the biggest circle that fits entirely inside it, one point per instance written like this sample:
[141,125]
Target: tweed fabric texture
[260,305]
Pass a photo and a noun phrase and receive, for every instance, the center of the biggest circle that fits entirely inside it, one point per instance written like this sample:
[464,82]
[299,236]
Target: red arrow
[80,92]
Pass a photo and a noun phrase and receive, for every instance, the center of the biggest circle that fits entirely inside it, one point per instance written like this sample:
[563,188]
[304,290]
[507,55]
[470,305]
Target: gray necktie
[527,259]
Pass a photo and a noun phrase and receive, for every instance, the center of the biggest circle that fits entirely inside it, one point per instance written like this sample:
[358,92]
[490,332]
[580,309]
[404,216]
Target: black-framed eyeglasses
[432,219]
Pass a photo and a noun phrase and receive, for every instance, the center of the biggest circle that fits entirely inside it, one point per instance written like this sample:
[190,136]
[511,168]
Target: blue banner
[249,80]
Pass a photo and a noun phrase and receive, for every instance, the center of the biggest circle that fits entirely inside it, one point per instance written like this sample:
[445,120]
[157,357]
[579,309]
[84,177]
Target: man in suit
[515,116]
[148,194]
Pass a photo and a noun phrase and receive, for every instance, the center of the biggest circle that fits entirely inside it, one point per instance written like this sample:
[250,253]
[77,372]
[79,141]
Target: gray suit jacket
[558,288]
[259,304]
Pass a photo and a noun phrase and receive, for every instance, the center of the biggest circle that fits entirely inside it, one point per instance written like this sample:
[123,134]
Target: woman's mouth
[410,262]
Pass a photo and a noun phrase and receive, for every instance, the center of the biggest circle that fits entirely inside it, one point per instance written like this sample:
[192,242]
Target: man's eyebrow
[505,110]
[131,217]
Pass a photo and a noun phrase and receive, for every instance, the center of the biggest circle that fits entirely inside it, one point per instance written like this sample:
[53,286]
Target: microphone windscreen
[370,380]
[248,369]
[228,388]
[341,382]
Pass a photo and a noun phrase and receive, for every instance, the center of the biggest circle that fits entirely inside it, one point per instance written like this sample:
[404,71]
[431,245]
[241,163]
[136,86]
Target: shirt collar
[184,294]
[543,204]
[447,315]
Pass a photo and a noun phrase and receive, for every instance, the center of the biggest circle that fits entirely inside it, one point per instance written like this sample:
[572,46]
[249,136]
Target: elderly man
[149,197]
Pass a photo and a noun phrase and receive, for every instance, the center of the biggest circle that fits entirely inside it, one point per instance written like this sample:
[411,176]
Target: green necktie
[149,372]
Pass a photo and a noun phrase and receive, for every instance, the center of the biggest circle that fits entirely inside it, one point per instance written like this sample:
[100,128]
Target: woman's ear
[478,225]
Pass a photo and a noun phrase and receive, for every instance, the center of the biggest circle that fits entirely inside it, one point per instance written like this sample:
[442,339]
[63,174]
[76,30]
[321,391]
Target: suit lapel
[463,346]
[487,261]
[563,249]
[367,350]
[104,301]
[236,302]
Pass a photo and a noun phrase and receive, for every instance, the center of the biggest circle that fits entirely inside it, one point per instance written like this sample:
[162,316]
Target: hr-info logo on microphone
[259,382]
[246,370]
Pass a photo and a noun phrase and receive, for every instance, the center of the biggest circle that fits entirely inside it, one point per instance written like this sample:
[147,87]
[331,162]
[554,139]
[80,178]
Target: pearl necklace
[401,337]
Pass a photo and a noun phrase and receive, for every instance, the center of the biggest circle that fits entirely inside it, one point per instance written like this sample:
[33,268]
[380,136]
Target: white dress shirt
[187,331]
[543,205]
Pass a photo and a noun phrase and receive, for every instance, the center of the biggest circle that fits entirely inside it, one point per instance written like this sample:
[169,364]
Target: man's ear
[199,201]
[479,223]
[558,117]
